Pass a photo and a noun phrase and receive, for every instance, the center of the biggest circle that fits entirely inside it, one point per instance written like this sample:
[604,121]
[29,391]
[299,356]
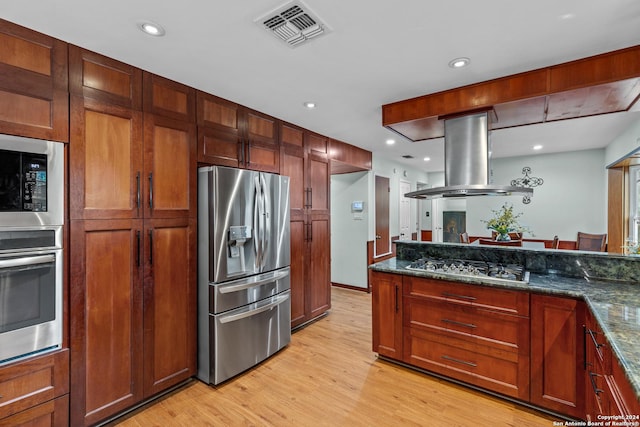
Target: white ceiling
[377,52]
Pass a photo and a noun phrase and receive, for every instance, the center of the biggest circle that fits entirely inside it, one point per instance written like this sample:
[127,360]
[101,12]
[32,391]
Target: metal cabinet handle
[453,322]
[138,190]
[464,297]
[462,362]
[151,247]
[138,244]
[151,190]
[594,339]
[397,300]
[596,390]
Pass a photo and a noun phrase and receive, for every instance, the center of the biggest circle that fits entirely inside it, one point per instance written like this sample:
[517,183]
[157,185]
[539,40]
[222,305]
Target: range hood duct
[467,162]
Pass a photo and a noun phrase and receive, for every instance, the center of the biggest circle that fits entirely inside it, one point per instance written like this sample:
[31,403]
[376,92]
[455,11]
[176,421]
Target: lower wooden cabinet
[557,354]
[386,313]
[35,391]
[132,312]
[450,329]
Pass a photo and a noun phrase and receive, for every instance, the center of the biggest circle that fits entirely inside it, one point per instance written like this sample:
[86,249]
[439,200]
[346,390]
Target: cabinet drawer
[507,375]
[54,413]
[501,300]
[32,382]
[490,328]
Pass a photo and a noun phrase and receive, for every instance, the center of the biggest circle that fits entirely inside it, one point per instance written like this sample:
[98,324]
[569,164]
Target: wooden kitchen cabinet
[133,246]
[557,354]
[169,310]
[386,311]
[232,135]
[304,159]
[470,333]
[30,389]
[34,100]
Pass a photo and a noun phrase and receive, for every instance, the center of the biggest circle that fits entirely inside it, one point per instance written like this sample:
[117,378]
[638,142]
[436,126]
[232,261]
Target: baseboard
[354,288]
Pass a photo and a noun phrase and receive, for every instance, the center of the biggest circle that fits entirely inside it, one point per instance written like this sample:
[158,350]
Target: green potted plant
[505,222]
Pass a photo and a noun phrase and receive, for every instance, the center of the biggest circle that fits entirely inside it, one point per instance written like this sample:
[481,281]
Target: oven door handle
[234,317]
[27,261]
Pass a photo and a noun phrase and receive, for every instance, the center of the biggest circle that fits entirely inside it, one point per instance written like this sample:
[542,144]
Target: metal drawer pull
[453,322]
[593,338]
[593,383]
[463,362]
[27,261]
[448,295]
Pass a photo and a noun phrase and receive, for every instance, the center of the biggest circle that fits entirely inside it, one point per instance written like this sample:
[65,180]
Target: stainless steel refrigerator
[244,306]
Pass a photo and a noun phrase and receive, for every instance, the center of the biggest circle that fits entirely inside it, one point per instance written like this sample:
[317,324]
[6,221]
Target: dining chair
[464,237]
[556,242]
[591,242]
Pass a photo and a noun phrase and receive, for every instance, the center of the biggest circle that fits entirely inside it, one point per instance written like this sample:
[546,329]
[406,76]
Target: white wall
[627,142]
[397,172]
[349,232]
[573,197]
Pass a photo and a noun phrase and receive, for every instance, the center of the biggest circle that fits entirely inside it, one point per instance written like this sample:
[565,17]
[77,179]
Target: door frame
[375,217]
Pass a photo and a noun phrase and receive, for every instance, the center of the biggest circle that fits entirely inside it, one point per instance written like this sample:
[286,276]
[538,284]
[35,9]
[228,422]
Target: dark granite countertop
[615,305]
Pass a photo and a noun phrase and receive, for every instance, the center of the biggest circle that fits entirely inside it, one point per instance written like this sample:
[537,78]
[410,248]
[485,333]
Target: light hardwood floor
[328,376]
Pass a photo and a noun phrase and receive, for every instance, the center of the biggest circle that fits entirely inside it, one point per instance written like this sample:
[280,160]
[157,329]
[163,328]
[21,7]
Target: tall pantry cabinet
[133,211]
[305,159]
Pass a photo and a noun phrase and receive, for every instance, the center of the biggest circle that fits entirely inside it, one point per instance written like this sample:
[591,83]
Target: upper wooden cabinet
[164,97]
[600,84]
[34,99]
[346,158]
[95,76]
[232,135]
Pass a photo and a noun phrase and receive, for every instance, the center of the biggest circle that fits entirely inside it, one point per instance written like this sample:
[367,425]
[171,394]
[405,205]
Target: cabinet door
[54,413]
[169,303]
[386,290]
[218,131]
[33,84]
[261,142]
[105,154]
[319,265]
[298,268]
[557,354]
[318,187]
[169,168]
[95,76]
[164,97]
[106,318]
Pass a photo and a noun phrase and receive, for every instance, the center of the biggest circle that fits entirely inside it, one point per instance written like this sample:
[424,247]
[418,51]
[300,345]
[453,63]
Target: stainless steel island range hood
[467,161]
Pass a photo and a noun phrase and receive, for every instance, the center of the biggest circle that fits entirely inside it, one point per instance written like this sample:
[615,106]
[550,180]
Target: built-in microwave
[31,182]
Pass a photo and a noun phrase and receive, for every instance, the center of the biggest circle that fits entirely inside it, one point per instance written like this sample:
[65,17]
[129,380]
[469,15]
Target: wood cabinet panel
[95,76]
[347,158]
[164,97]
[319,273]
[105,161]
[217,113]
[54,413]
[106,326]
[31,382]
[262,157]
[169,303]
[557,355]
[319,184]
[33,84]
[298,268]
[169,168]
[291,135]
[386,311]
[219,148]
[500,300]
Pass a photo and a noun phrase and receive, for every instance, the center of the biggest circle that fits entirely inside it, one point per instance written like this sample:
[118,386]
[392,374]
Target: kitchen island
[607,285]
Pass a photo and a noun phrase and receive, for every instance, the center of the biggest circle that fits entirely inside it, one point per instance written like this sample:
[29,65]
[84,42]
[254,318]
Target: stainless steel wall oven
[31,265]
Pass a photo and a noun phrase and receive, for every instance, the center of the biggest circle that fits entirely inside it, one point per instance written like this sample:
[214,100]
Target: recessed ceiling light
[426,159]
[537,147]
[391,141]
[567,16]
[310,105]
[151,28]
[459,62]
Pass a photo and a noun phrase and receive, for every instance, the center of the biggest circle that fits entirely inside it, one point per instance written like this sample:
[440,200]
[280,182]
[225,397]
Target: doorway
[382,243]
[405,211]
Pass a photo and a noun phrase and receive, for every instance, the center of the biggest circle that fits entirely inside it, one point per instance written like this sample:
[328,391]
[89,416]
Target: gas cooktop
[457,267]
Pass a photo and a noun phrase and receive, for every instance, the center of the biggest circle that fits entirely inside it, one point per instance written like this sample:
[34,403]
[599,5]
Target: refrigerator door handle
[256,223]
[234,317]
[243,284]
[266,235]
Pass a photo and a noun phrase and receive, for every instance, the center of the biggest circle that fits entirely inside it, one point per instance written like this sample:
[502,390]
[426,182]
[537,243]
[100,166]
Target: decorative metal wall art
[527,182]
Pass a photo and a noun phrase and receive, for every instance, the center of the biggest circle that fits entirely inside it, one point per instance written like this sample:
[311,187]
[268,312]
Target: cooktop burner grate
[458,267]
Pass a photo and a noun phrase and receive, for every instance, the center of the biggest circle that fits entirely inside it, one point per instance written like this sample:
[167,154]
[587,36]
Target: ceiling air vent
[293,23]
